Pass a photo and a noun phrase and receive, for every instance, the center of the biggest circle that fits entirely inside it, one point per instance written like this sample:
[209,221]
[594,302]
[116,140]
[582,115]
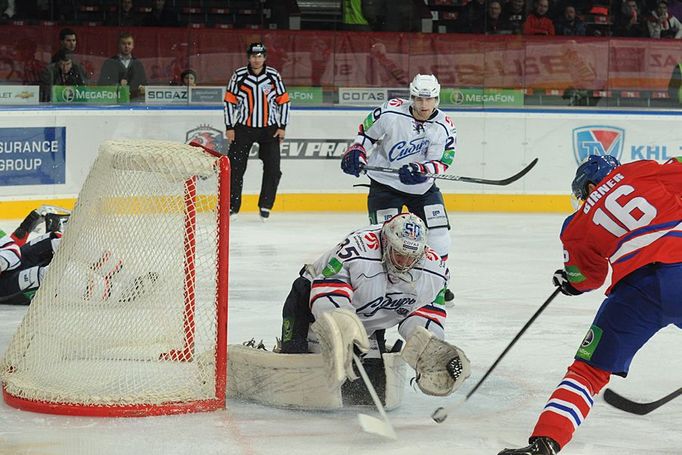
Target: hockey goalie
[377,278]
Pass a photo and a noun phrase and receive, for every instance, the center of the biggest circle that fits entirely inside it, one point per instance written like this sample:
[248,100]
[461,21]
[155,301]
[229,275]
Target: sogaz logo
[597,140]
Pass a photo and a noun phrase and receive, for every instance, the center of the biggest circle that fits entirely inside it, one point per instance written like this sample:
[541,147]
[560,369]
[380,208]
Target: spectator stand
[320,14]
[445,14]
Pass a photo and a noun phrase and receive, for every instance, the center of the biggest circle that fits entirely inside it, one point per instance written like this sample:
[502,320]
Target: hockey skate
[538,446]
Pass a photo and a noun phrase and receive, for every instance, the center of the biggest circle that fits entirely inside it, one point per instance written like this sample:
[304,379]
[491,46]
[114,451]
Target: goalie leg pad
[287,380]
[338,331]
[441,367]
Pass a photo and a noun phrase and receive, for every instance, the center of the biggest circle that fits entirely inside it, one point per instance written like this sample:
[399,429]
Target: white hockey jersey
[10,253]
[352,276]
[398,139]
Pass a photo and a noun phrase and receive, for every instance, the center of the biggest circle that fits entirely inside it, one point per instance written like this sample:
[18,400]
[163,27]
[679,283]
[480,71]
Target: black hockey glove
[560,280]
[412,174]
[354,160]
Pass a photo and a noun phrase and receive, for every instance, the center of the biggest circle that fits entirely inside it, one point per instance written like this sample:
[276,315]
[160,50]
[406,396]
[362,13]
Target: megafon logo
[597,140]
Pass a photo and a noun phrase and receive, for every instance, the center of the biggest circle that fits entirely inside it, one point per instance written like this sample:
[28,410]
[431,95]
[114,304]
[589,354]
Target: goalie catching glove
[441,367]
[338,332]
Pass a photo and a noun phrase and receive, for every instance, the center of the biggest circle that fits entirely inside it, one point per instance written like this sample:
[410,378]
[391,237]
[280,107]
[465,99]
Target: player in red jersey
[631,220]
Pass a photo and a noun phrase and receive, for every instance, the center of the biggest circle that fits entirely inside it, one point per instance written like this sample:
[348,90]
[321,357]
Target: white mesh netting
[128,311]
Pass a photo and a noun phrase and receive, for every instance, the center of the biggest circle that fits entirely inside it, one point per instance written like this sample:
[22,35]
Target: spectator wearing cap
[256,111]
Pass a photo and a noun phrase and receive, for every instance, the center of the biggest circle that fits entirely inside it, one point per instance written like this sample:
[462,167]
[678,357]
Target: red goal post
[131,319]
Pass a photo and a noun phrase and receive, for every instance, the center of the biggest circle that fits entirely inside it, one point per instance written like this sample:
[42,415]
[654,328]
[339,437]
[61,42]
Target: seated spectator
[675,9]
[161,15]
[62,72]
[67,43]
[537,22]
[7,72]
[125,15]
[28,67]
[514,12]
[663,25]
[628,21]
[493,23]
[124,69]
[472,14]
[188,78]
[570,24]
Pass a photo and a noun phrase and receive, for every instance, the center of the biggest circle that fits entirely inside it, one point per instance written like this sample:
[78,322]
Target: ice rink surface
[501,266]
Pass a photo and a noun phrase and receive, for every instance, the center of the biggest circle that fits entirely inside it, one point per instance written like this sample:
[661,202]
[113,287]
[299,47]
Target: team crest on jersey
[372,241]
[403,149]
[395,102]
[208,137]
[597,140]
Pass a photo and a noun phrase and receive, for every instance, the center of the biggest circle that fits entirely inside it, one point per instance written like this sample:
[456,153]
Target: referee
[256,110]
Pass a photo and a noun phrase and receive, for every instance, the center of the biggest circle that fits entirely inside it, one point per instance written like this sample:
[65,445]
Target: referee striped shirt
[256,100]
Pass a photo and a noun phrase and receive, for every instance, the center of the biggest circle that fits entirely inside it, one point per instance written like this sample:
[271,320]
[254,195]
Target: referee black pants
[269,154]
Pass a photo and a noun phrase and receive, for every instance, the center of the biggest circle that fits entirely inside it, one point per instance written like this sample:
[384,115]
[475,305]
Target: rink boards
[46,152]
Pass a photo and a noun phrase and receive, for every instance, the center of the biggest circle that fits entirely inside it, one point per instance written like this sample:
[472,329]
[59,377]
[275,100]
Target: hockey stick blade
[633,407]
[368,423]
[376,426]
[459,178]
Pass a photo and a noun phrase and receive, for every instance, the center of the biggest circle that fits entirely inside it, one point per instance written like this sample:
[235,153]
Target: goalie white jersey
[352,276]
[398,139]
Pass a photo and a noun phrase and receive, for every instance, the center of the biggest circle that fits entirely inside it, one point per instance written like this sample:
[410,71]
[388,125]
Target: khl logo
[597,140]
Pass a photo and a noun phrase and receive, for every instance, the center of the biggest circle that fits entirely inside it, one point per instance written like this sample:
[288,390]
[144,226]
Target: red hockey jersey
[633,218]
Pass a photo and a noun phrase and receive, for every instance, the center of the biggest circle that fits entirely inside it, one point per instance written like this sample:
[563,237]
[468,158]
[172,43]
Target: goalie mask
[403,239]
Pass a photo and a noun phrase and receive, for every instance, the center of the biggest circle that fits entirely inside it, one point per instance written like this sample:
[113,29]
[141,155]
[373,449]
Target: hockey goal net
[131,318]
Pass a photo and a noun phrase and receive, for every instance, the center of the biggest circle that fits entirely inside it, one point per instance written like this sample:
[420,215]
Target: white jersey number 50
[636,213]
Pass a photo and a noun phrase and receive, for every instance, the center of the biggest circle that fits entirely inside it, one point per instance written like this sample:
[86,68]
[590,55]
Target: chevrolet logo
[25,95]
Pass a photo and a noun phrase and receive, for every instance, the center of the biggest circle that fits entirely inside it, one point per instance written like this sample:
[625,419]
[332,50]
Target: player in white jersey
[386,275]
[414,137]
[23,263]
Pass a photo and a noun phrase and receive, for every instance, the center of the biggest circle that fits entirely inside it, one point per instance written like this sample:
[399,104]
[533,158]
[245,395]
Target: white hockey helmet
[403,239]
[425,86]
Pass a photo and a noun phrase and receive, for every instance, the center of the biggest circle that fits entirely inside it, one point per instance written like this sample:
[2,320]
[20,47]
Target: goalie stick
[372,424]
[633,407]
[459,178]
